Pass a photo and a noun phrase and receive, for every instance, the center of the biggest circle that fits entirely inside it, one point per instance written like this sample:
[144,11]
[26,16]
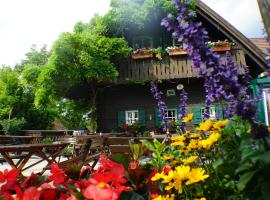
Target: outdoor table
[24,139]
[29,150]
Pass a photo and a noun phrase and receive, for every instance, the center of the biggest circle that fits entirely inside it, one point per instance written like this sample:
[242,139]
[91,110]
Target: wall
[134,96]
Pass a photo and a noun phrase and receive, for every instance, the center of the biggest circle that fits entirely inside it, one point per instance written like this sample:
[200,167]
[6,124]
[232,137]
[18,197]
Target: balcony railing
[171,67]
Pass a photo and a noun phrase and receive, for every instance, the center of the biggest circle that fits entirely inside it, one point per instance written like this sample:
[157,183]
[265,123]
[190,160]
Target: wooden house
[130,99]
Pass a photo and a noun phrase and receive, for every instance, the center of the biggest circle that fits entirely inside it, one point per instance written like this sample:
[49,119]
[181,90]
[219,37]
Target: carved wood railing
[171,67]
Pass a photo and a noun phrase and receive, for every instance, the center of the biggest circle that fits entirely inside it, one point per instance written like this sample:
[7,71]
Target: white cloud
[27,22]
[242,14]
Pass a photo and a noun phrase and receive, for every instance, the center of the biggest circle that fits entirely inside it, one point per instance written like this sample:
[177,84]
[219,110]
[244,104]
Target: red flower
[48,194]
[125,126]
[152,175]
[166,169]
[101,191]
[58,176]
[29,180]
[134,164]
[31,194]
[9,178]
[114,170]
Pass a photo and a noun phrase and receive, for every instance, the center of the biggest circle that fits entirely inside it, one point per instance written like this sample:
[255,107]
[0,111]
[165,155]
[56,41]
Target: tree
[80,58]
[264,6]
[34,57]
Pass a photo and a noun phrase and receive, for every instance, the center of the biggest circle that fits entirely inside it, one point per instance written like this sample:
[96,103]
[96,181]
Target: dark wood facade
[127,94]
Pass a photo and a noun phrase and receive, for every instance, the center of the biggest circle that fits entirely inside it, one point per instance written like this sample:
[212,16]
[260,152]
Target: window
[132,116]
[212,112]
[171,114]
[142,42]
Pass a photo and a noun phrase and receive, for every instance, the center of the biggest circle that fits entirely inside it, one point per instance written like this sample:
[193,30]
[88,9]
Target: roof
[263,44]
[233,34]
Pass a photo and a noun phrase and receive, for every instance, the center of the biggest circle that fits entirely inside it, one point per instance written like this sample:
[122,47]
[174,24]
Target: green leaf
[244,179]
[217,163]
[243,167]
[121,159]
[148,145]
[130,196]
[264,157]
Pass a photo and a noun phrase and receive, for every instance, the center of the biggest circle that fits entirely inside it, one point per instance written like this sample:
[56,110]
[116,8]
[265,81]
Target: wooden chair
[89,151]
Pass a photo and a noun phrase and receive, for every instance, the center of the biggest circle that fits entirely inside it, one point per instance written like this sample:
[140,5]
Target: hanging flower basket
[221,48]
[220,45]
[142,56]
[143,53]
[176,52]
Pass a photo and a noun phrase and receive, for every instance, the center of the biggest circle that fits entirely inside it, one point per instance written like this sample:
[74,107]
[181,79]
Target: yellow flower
[167,132]
[167,197]
[195,135]
[193,144]
[207,143]
[188,118]
[179,140]
[182,172]
[196,175]
[190,159]
[205,126]
[158,176]
[220,124]
[168,157]
[203,198]
[168,178]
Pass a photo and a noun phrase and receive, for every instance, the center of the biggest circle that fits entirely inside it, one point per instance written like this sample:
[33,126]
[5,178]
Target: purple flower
[221,80]
[183,109]
[161,105]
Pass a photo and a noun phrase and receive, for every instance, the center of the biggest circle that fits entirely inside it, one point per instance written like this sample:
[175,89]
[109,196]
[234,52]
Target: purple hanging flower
[221,80]
[161,105]
[183,109]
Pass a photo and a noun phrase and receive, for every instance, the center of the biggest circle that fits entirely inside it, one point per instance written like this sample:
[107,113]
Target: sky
[27,22]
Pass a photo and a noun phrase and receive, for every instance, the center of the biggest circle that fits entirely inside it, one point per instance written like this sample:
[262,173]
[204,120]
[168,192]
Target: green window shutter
[142,117]
[158,118]
[219,112]
[197,115]
[121,118]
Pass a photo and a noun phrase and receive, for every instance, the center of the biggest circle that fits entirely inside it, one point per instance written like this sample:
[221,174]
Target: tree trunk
[92,124]
[264,6]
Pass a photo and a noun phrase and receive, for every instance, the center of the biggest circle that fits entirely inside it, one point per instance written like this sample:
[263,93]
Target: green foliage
[72,114]
[157,149]
[47,140]
[12,126]
[34,57]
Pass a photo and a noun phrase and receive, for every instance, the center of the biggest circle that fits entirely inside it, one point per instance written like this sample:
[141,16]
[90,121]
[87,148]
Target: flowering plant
[144,51]
[73,183]
[172,48]
[133,128]
[219,43]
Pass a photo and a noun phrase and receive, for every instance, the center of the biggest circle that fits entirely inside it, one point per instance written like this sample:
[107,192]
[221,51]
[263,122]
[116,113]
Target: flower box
[137,56]
[175,52]
[226,47]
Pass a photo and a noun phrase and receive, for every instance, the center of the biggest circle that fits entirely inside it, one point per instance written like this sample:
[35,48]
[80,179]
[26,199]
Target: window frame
[213,115]
[141,40]
[175,118]
[133,119]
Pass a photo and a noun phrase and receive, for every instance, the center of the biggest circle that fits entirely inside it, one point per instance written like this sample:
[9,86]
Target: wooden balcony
[171,67]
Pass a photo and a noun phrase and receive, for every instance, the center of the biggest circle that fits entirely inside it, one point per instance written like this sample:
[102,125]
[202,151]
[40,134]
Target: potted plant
[143,53]
[220,45]
[176,50]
